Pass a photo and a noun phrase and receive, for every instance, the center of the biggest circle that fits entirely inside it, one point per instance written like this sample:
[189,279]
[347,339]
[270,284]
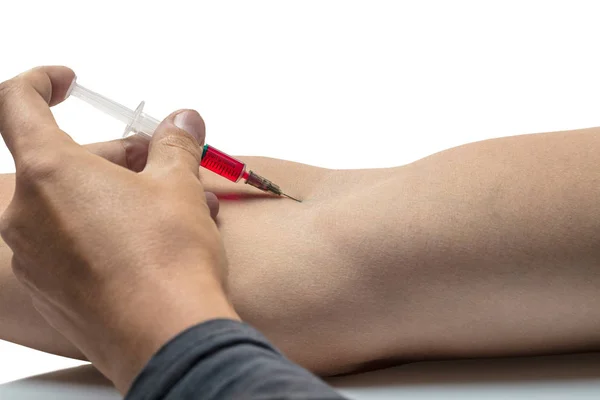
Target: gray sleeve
[224,359]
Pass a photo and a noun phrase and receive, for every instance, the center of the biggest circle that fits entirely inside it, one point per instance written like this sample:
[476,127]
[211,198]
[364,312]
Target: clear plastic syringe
[139,122]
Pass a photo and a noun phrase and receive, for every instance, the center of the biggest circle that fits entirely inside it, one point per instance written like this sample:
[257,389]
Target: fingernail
[191,122]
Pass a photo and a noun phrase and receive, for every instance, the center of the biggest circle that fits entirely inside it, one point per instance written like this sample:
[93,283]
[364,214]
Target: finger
[26,123]
[175,145]
[213,204]
[130,152]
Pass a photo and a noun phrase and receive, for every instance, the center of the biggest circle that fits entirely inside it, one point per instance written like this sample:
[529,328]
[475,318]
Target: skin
[98,260]
[487,249]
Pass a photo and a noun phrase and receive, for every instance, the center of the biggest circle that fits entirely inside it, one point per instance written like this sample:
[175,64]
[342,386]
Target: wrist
[150,320]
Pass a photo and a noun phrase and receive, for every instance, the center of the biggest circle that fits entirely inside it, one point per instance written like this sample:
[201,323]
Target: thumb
[175,145]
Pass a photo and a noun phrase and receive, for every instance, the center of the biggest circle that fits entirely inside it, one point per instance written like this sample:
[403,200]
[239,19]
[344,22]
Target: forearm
[503,250]
[485,249]
[482,250]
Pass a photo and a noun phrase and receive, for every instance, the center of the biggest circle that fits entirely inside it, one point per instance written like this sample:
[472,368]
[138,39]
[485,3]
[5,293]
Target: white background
[339,84]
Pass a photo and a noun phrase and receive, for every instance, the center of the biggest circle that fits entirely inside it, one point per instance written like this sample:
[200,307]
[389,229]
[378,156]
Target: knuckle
[185,142]
[11,226]
[38,79]
[9,89]
[5,225]
[26,81]
[39,167]
[19,271]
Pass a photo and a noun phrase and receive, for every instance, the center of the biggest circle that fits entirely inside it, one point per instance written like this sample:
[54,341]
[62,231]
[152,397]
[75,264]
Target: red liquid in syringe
[223,164]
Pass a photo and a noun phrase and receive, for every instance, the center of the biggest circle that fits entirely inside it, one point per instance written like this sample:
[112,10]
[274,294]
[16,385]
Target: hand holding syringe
[212,159]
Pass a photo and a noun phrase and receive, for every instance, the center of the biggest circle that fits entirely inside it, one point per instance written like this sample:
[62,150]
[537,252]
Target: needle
[290,197]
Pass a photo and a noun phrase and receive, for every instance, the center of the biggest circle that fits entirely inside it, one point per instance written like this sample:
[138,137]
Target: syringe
[139,122]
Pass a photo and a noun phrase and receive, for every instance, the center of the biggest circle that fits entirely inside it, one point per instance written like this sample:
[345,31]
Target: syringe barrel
[142,123]
[139,122]
[222,164]
[102,103]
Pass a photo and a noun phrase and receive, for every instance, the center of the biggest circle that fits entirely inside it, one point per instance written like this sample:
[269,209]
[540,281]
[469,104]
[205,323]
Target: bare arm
[487,249]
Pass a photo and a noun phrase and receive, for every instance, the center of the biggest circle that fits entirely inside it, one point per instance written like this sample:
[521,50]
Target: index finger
[26,122]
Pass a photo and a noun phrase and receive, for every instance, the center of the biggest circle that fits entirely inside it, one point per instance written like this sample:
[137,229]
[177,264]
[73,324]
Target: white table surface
[565,377]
